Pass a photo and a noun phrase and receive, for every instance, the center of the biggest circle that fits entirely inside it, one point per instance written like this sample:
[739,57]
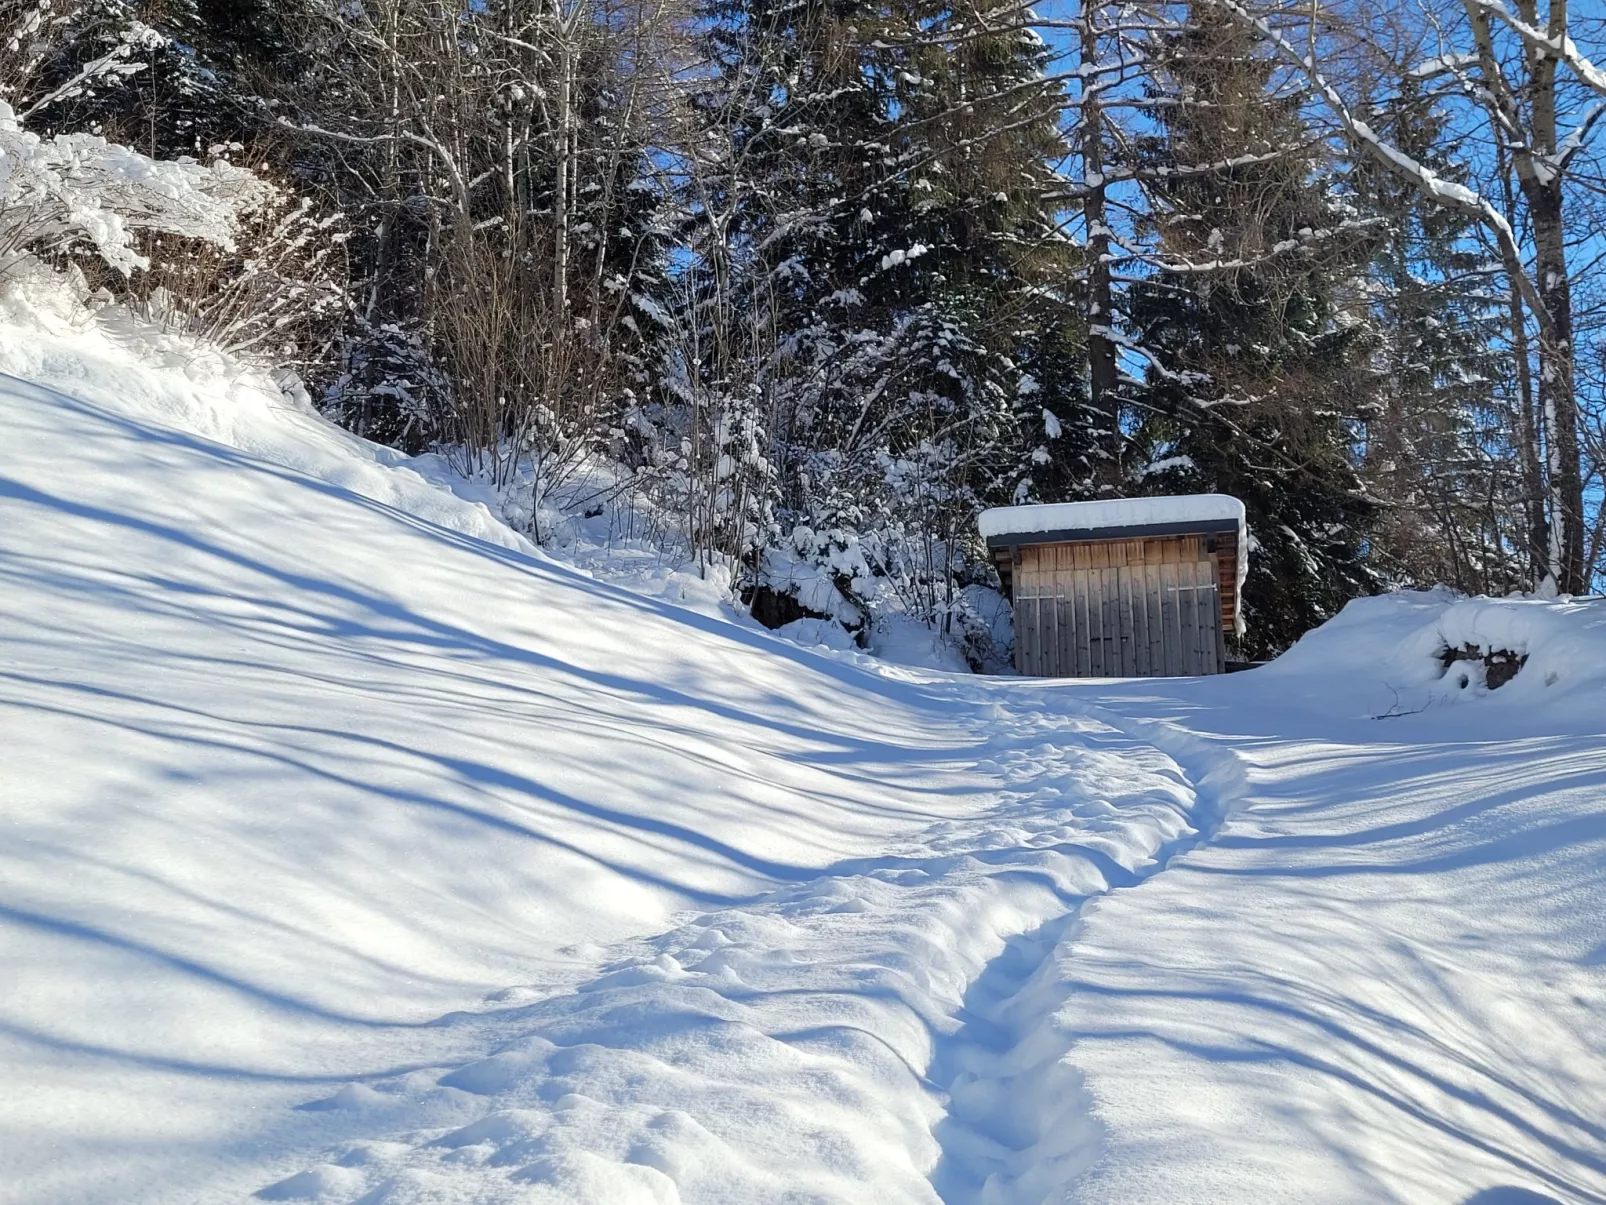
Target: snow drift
[1410,651]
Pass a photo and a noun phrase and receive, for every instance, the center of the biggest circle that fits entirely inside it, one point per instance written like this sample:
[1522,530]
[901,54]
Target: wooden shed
[1129,588]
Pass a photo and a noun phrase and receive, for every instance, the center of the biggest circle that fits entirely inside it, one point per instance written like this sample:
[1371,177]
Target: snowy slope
[1384,979]
[355,851]
[315,777]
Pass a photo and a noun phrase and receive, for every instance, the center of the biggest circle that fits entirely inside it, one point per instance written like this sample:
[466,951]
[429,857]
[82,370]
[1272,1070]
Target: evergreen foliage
[1440,452]
[885,233]
[1260,357]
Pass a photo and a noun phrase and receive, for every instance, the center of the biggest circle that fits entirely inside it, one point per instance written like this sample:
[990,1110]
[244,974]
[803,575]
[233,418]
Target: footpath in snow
[357,852]
[1384,978]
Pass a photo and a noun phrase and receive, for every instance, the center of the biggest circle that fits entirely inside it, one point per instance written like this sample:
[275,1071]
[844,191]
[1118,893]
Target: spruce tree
[1438,450]
[1261,370]
[887,176]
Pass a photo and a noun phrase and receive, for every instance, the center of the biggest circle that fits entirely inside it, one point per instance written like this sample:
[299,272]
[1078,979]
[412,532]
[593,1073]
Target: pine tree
[1438,451]
[887,176]
[1260,365]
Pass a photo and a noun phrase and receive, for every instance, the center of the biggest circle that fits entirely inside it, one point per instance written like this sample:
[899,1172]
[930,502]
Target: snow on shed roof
[1069,520]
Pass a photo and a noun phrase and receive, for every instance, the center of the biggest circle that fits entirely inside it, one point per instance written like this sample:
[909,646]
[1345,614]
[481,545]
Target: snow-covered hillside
[356,851]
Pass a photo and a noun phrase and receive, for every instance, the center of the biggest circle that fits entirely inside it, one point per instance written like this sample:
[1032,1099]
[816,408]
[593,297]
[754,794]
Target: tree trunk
[1540,170]
[1557,400]
[1101,350]
[560,192]
[1530,447]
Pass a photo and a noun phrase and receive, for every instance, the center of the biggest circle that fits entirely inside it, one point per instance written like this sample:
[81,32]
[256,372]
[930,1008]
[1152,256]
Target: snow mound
[58,337]
[1413,650]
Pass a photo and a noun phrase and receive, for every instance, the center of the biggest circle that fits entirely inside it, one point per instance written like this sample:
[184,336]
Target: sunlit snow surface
[356,852]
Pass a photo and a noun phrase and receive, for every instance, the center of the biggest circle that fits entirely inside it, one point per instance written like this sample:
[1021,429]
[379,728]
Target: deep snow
[356,851]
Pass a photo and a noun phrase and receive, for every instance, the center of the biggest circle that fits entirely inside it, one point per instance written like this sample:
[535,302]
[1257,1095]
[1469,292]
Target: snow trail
[1021,1128]
[802,1046]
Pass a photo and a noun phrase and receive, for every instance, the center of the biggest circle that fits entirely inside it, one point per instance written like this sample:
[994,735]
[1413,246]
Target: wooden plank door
[1188,612]
[1210,643]
[1199,599]
[1131,610]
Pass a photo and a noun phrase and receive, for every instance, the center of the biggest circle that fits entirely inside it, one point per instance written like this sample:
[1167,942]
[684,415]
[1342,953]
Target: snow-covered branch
[72,187]
[1444,192]
[116,61]
[1558,46]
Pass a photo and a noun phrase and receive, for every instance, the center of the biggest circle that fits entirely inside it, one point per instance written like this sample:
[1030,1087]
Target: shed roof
[1112,518]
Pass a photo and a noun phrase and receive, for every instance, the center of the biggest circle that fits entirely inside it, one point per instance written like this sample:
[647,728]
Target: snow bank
[57,336]
[1388,655]
[1114,513]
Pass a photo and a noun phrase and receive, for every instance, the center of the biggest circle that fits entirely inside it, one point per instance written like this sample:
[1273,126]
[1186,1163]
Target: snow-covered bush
[273,293]
[813,574]
[982,625]
[386,384]
[79,191]
[215,251]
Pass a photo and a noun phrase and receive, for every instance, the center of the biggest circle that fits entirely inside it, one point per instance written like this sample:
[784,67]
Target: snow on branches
[76,189]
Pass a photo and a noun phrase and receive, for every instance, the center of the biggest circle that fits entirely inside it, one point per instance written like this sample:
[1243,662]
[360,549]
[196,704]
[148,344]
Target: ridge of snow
[1111,513]
[112,358]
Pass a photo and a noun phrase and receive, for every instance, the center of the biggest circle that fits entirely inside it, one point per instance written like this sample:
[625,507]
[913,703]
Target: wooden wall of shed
[1120,608]
[1227,559]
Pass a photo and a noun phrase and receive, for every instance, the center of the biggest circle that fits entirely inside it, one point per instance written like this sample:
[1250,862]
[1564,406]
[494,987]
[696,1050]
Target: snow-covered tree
[1442,448]
[1260,351]
[1523,81]
[874,201]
